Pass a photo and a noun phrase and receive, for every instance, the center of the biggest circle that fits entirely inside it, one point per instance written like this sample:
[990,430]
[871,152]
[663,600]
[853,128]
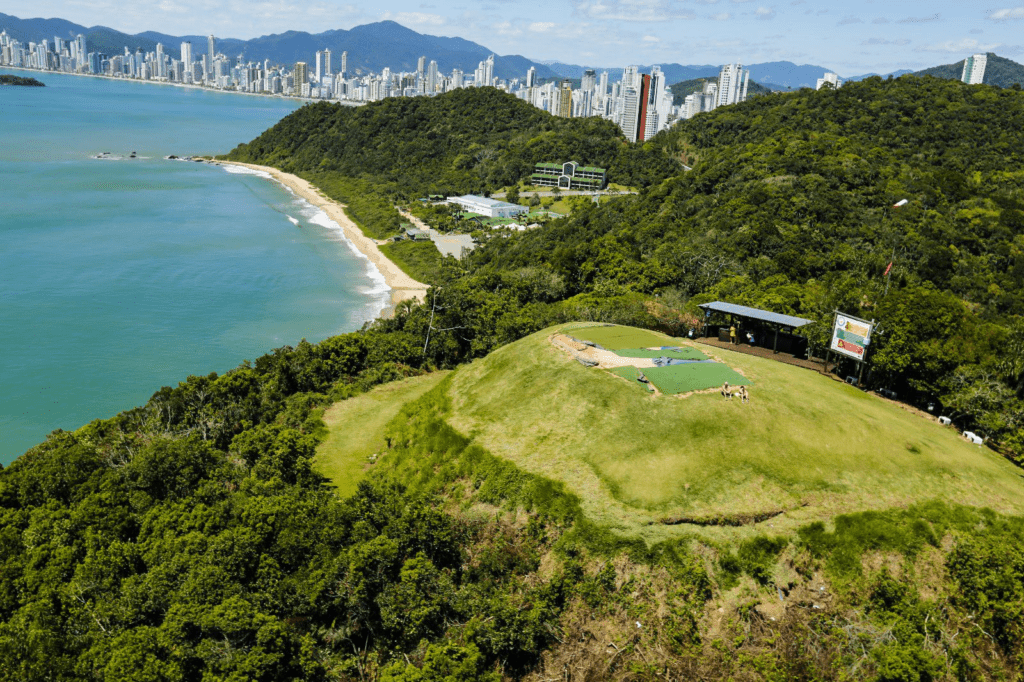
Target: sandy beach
[403,287]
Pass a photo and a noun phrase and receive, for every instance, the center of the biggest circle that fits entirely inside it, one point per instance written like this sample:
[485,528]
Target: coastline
[403,287]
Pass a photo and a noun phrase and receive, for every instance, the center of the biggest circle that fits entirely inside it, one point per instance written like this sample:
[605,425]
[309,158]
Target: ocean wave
[378,288]
[293,221]
[242,170]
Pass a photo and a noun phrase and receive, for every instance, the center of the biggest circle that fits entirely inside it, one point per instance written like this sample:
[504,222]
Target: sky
[851,38]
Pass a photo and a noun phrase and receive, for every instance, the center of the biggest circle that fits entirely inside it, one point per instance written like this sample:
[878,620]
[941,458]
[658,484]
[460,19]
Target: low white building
[492,208]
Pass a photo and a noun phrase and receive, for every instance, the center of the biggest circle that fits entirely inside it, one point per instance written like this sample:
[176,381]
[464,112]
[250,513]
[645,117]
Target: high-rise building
[589,81]
[301,76]
[319,67]
[160,68]
[602,84]
[432,77]
[421,65]
[344,64]
[186,54]
[732,84]
[831,79]
[327,63]
[458,81]
[81,46]
[565,99]
[211,47]
[974,69]
[531,77]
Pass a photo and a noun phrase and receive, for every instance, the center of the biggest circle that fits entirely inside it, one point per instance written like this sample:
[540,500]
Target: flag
[886,273]
[901,202]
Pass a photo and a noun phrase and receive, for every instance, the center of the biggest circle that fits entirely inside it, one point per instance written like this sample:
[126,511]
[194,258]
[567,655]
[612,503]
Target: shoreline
[403,287]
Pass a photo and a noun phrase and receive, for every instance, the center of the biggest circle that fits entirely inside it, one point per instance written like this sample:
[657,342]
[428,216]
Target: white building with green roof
[568,175]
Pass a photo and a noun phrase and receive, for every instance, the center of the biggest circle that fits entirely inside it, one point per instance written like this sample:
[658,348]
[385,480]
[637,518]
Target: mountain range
[372,47]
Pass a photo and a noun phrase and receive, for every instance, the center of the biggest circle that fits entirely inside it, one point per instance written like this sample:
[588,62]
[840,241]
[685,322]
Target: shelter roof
[756,314]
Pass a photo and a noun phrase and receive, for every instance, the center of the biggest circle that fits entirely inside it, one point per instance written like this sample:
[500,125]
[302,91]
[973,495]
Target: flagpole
[892,259]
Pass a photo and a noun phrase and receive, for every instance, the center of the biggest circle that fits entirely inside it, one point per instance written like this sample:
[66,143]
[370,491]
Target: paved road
[447,244]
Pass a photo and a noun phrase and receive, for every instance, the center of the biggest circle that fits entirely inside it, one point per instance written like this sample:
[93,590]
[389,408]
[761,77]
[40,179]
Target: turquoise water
[119,277]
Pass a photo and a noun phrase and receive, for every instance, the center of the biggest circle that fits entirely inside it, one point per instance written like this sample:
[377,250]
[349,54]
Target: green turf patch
[616,338]
[696,376]
[683,353]
[633,374]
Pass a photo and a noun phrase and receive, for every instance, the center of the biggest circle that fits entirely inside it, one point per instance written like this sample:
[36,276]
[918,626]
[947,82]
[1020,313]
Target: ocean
[120,276]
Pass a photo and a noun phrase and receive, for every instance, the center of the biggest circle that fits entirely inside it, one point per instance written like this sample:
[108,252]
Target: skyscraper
[974,69]
[420,66]
[186,53]
[301,76]
[432,77]
[211,47]
[589,81]
[319,67]
[344,64]
[327,62]
[531,77]
[565,99]
[732,84]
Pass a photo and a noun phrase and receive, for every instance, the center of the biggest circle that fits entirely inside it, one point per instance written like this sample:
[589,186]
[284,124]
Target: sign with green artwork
[851,336]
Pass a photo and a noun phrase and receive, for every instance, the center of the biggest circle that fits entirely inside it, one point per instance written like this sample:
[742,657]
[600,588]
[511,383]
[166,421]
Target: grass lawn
[616,338]
[633,374]
[420,259]
[356,429]
[806,444]
[694,376]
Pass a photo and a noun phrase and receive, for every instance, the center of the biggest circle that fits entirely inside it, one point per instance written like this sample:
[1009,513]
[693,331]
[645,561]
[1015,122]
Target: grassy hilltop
[806,448]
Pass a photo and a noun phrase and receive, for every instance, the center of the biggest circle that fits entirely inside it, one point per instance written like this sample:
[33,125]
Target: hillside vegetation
[501,535]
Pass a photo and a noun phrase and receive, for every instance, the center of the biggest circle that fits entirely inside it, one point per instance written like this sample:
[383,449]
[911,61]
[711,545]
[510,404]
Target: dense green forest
[8,79]
[999,71]
[191,538]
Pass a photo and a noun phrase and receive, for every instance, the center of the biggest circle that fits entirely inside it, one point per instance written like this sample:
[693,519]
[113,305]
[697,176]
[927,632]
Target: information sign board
[851,336]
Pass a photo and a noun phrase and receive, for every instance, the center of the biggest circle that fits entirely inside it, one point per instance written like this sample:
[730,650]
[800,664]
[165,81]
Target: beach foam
[293,221]
[242,170]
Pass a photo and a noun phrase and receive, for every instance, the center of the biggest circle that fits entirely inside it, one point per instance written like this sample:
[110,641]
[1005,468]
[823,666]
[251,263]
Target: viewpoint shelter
[755,327]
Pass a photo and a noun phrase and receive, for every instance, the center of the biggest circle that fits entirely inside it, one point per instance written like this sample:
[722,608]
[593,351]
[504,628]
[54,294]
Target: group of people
[728,394]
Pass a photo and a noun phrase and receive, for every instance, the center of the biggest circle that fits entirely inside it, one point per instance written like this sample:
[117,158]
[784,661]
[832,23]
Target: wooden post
[775,347]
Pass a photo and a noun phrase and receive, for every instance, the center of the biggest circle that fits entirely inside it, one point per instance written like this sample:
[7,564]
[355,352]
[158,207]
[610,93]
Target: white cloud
[507,28]
[918,20]
[765,13]
[957,46]
[885,41]
[633,10]
[721,16]
[542,26]
[1004,14]
[415,18]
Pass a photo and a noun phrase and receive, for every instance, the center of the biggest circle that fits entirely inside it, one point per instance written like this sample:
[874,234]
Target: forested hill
[468,140]
[999,71]
[789,206]
[193,538]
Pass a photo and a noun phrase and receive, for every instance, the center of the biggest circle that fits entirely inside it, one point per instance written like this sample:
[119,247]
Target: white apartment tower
[830,78]
[531,77]
[344,64]
[319,67]
[732,84]
[432,77]
[974,69]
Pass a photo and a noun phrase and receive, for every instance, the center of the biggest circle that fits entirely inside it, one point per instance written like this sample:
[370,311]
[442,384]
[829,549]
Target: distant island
[7,79]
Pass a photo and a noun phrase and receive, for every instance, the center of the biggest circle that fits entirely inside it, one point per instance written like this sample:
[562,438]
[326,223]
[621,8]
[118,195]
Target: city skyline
[851,38]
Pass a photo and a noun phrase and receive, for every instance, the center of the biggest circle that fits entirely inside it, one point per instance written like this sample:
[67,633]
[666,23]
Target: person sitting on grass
[726,393]
[744,396]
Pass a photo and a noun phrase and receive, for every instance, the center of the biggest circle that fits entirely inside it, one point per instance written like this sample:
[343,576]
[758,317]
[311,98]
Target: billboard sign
[851,336]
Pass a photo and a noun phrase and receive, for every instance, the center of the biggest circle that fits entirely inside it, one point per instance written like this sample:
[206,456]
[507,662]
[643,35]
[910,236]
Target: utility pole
[892,259]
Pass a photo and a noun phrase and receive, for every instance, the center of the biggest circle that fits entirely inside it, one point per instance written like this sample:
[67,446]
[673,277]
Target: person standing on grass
[732,335]
[744,396]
